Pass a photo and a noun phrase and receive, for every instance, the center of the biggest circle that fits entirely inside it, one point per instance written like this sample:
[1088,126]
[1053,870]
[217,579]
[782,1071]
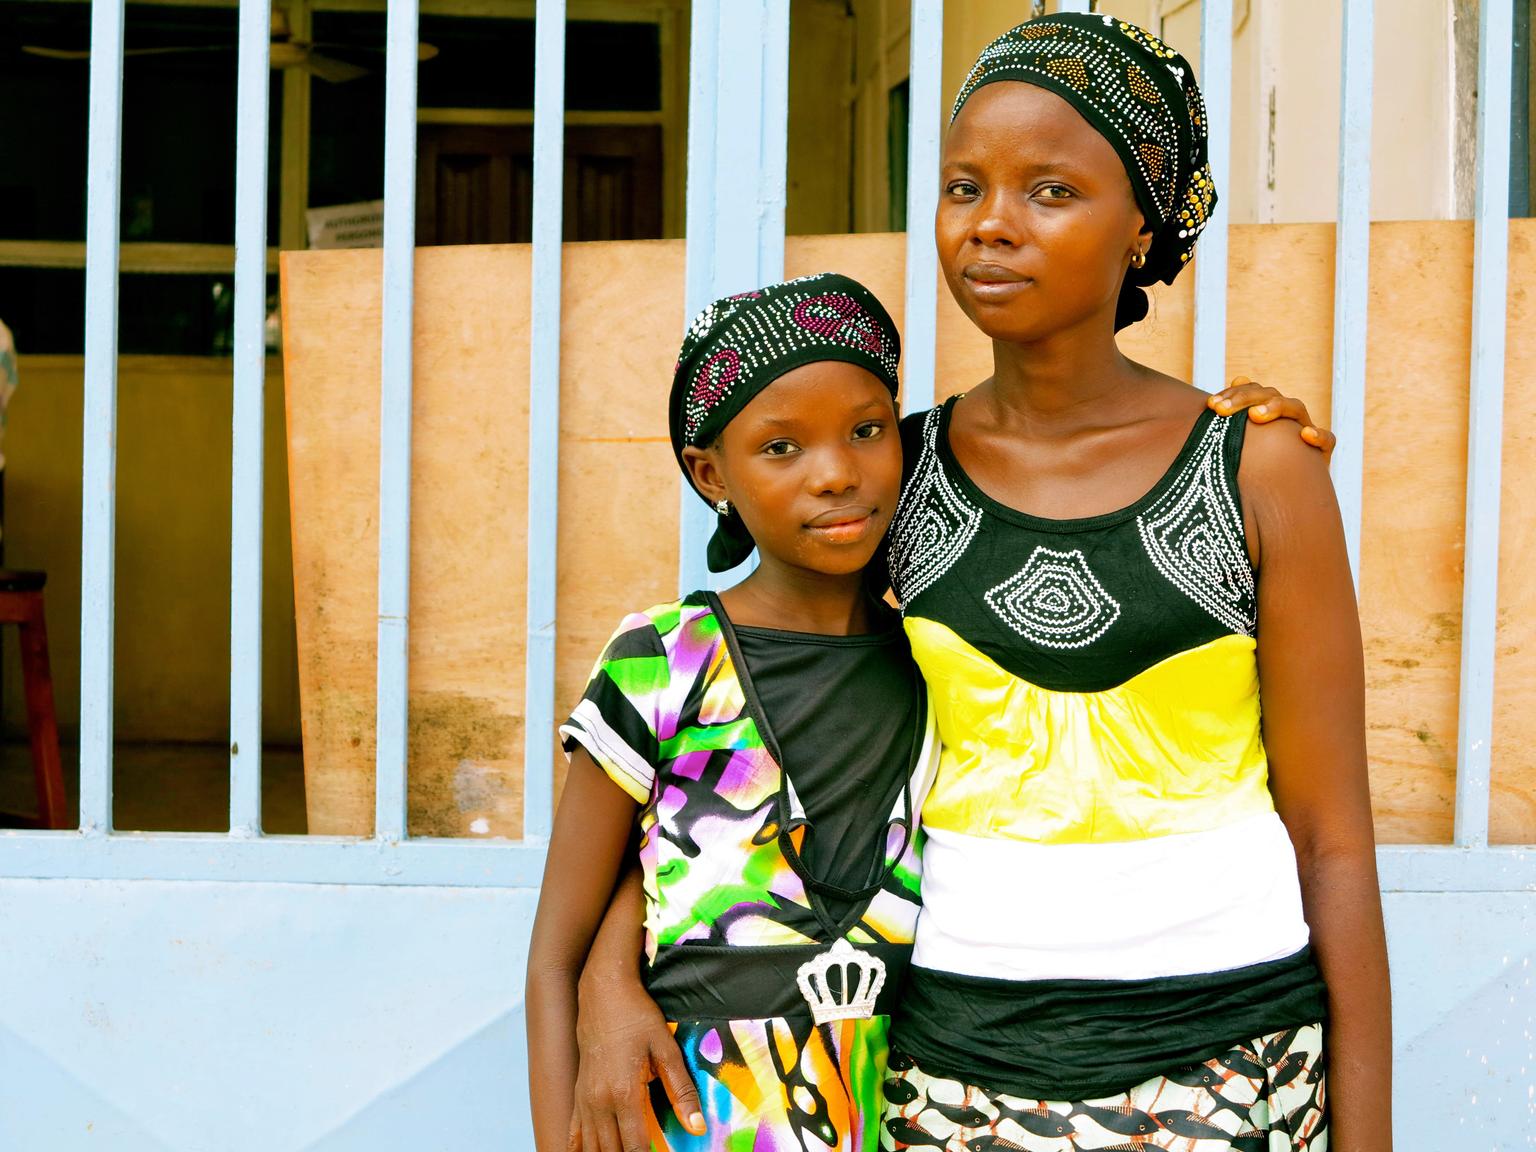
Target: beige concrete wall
[1285,92]
[173,491]
[971,24]
[1285,126]
[820,169]
[881,62]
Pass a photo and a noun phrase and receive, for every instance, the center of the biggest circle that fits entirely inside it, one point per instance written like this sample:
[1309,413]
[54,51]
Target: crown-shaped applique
[850,994]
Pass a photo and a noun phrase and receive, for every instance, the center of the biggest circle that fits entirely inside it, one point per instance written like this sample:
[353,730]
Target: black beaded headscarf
[738,346]
[1141,95]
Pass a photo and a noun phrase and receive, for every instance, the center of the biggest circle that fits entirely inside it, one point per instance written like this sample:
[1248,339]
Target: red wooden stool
[21,603]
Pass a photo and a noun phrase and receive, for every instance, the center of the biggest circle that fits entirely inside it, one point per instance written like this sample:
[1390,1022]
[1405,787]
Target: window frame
[292,123]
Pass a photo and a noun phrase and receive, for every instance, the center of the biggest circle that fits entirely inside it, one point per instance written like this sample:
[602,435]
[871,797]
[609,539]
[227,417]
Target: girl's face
[1037,222]
[813,464]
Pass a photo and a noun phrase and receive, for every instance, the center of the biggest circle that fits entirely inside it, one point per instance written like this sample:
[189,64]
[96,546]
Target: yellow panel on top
[1174,749]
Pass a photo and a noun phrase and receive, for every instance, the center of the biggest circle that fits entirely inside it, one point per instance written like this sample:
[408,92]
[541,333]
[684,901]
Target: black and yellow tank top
[1108,892]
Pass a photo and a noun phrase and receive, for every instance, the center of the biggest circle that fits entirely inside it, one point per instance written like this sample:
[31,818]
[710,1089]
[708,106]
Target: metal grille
[735,224]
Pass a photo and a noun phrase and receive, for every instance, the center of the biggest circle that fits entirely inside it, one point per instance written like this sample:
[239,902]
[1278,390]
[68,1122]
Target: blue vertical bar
[925,106]
[1210,370]
[544,417]
[738,132]
[1490,275]
[250,366]
[99,479]
[751,146]
[1352,265]
[773,148]
[694,522]
[703,116]
[395,420]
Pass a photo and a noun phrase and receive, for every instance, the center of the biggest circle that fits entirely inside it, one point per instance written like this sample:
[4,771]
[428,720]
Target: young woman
[1144,898]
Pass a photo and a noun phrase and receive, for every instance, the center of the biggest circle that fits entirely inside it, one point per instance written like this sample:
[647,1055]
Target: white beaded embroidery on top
[1194,536]
[934,524]
[1055,600]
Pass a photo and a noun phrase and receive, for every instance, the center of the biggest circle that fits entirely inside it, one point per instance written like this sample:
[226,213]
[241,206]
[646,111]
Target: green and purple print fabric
[665,715]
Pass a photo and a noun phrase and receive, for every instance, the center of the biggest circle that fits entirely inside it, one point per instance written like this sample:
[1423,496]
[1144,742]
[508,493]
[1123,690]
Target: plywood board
[619,491]
[1513,816]
[468,495]
[1411,542]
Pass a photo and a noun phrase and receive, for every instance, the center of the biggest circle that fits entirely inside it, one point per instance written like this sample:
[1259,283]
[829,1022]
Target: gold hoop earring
[1138,259]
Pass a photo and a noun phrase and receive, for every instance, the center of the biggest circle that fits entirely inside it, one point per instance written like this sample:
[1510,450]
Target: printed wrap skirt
[1268,1094]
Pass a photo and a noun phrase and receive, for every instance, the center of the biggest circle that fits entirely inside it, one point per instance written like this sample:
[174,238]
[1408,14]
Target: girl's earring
[1138,259]
[723,507]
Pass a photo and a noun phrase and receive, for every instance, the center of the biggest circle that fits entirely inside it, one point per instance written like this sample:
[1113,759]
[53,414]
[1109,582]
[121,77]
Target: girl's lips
[843,515]
[843,531]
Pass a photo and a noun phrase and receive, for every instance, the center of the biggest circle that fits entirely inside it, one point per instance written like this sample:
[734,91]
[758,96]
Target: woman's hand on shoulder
[1265,405]
[625,1044]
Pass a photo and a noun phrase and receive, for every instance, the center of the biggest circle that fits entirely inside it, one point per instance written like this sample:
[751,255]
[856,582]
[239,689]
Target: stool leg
[42,723]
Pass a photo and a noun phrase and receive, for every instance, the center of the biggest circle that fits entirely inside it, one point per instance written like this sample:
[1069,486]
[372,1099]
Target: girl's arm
[586,855]
[624,1039]
[1311,673]
[1266,405]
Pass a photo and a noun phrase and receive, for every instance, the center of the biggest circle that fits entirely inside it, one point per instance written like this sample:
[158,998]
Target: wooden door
[475,183]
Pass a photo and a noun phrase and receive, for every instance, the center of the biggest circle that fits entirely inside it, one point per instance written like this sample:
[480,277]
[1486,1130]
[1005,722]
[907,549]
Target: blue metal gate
[244,991]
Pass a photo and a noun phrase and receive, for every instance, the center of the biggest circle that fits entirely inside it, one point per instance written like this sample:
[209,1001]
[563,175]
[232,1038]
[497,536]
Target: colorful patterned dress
[737,939]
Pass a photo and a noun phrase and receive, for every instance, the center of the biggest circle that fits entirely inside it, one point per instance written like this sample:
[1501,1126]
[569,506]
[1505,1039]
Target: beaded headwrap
[1142,96]
[738,346]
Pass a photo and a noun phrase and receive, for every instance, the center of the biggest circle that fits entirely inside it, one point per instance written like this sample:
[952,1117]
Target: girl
[777,829]
[1136,884]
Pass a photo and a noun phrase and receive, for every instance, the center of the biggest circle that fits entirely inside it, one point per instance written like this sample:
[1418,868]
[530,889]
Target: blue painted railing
[1210,366]
[399,290]
[544,419]
[247,481]
[1352,260]
[103,188]
[925,101]
[1490,276]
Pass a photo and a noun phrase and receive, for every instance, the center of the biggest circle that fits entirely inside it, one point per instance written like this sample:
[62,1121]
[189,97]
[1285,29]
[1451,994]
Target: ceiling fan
[285,52]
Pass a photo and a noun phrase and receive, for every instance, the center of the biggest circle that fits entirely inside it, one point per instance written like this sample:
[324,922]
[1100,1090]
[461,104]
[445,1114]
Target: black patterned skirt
[1268,1094]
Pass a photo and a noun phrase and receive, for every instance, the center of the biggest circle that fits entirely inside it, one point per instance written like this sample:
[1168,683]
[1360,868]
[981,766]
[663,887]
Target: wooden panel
[468,496]
[1417,371]
[622,322]
[619,491]
[1512,818]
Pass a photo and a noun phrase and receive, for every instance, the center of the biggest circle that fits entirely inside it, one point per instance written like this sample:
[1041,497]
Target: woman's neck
[779,595]
[1054,383]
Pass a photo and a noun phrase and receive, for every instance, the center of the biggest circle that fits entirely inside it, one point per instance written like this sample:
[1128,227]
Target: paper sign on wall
[359,225]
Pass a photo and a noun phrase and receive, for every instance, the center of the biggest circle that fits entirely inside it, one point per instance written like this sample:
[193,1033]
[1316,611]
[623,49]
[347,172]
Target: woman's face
[813,464]
[1037,222]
